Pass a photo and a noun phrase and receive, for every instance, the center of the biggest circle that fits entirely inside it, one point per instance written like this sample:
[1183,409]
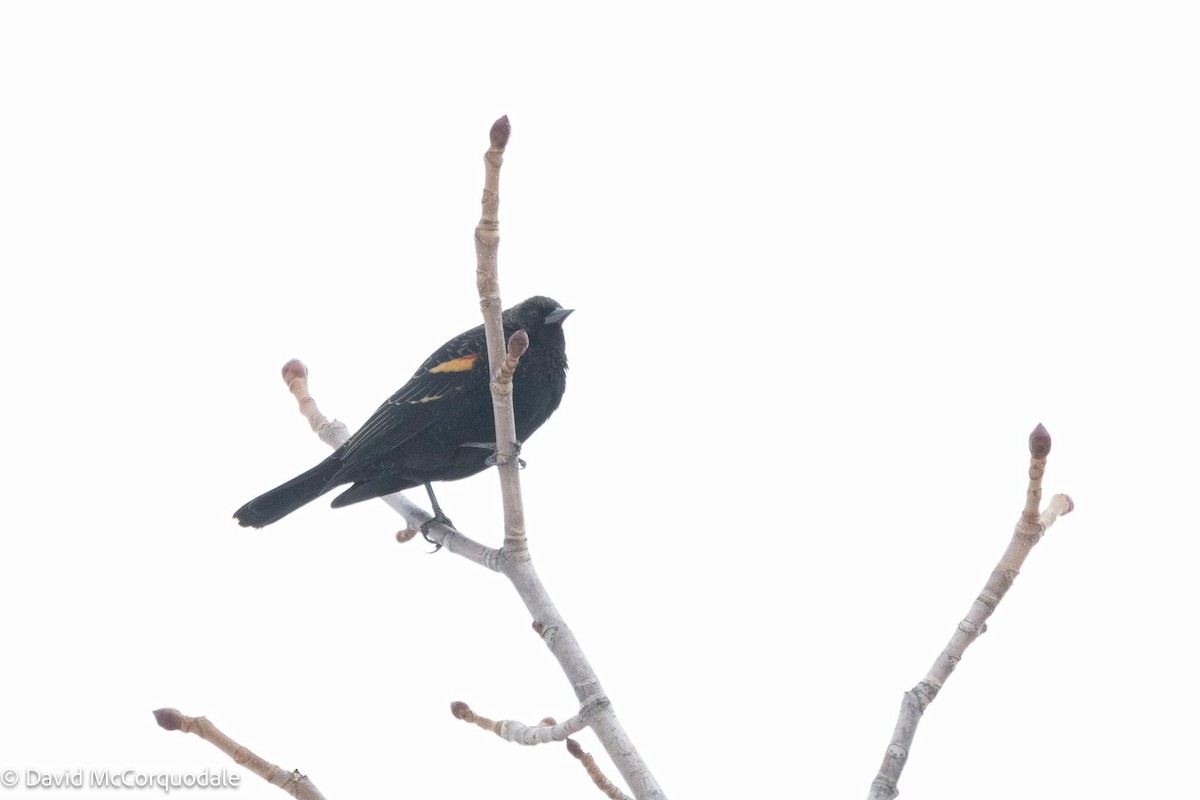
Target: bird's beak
[557,316]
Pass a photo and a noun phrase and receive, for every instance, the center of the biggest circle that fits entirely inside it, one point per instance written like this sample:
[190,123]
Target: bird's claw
[438,519]
[493,459]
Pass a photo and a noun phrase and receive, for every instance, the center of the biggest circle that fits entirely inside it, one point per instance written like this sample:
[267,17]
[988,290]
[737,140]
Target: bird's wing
[434,390]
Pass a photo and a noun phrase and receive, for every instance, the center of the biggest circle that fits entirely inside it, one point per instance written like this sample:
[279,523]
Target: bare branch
[1029,530]
[293,782]
[487,279]
[295,375]
[593,770]
[515,560]
[513,731]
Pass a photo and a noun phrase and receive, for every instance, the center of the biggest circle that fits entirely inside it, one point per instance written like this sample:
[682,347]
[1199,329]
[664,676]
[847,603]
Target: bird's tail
[283,500]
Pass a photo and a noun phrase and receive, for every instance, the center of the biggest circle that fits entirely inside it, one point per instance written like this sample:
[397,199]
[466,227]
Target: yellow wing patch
[426,399]
[460,364]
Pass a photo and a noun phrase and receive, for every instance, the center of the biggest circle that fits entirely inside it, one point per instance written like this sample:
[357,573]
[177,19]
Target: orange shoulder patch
[460,364]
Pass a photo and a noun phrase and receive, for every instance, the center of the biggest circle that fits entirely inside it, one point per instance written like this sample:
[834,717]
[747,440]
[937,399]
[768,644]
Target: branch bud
[294,369]
[1039,442]
[170,719]
[501,129]
[518,343]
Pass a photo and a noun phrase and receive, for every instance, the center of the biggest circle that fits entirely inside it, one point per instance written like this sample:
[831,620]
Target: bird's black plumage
[439,425]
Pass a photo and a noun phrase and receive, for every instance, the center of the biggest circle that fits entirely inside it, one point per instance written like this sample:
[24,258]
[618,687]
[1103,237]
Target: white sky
[830,264]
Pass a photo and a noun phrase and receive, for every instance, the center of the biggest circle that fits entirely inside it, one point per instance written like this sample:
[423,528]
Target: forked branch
[515,562]
[1030,527]
[513,558]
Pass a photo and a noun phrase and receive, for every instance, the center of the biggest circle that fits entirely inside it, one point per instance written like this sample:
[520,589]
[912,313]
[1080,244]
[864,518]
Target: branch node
[593,705]
[925,693]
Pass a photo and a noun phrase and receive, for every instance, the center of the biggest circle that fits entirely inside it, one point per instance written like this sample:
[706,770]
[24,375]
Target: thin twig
[594,772]
[487,279]
[1029,530]
[293,782]
[513,731]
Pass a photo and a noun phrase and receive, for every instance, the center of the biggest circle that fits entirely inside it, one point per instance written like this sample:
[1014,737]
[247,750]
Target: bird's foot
[439,518]
[493,459]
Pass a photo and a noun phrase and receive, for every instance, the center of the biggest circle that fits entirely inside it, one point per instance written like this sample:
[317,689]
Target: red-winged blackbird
[439,425]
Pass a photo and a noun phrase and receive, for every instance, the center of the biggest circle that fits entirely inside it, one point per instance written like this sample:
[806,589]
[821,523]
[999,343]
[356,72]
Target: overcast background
[831,264]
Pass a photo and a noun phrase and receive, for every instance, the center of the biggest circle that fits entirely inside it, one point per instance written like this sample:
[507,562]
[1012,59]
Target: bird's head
[535,315]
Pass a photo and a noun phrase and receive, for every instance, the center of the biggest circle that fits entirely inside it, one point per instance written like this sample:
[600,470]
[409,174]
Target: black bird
[439,425]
